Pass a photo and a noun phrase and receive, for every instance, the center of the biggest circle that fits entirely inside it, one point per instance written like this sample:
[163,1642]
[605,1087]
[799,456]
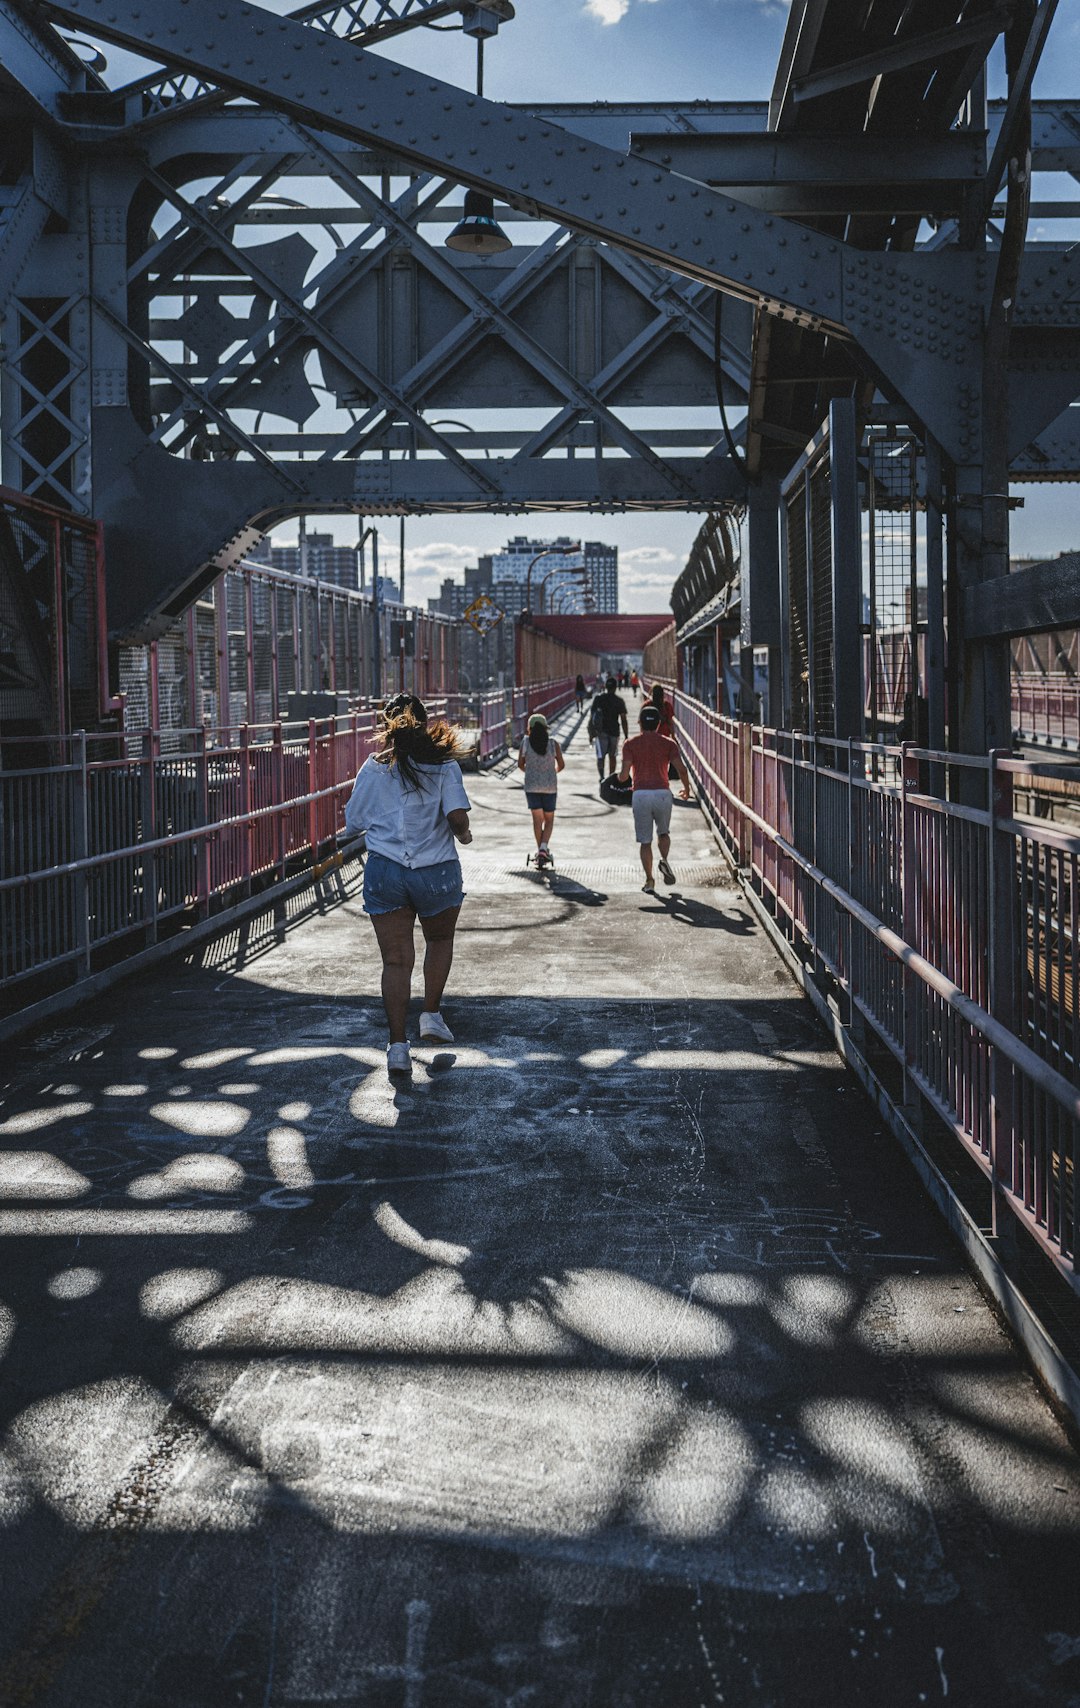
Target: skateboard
[540,860]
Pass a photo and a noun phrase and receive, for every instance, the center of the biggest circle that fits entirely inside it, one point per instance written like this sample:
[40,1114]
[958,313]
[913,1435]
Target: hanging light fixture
[478,232]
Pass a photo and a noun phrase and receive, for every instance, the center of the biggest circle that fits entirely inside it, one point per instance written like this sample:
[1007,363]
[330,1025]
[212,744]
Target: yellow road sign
[484,614]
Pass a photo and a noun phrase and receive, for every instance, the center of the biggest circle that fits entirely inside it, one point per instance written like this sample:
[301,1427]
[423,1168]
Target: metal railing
[98,853]
[1045,709]
[949,929]
[550,698]
[117,843]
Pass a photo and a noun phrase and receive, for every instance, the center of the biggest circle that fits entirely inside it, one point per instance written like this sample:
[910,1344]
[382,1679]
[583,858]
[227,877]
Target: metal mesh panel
[285,614]
[79,561]
[264,709]
[134,676]
[173,673]
[206,682]
[896,602]
[798,625]
[341,678]
[821,581]
[236,712]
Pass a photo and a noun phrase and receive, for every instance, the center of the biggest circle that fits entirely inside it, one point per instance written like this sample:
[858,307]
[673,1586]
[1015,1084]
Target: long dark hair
[538,737]
[408,740]
[656,695]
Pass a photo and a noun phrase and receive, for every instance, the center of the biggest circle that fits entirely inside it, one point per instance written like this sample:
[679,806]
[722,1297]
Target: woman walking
[541,760]
[410,802]
[663,705]
[581,693]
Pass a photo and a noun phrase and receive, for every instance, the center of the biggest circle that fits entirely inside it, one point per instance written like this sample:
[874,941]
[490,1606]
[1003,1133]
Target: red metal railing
[100,849]
[1047,709]
[550,698]
[950,929]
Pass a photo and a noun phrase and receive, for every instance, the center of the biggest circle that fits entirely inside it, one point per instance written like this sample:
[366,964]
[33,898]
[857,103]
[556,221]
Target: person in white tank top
[541,759]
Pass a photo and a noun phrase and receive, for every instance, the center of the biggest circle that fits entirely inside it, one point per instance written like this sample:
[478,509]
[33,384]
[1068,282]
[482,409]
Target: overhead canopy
[599,632]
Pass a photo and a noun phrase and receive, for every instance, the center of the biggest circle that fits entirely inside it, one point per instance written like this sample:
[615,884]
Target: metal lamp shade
[479,232]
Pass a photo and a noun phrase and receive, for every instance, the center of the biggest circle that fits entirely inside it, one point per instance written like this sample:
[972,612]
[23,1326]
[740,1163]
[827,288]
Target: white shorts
[651,807]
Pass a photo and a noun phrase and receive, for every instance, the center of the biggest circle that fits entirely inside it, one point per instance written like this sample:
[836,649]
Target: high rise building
[325,559]
[601,562]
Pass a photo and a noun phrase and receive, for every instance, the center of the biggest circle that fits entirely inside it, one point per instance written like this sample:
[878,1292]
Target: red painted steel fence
[101,851]
[119,842]
[1047,709]
[949,929]
[548,698]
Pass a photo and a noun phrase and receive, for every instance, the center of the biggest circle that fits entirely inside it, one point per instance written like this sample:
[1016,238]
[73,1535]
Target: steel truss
[913,324]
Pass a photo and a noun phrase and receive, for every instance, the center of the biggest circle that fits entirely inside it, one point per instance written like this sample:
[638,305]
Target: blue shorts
[428,890]
[539,803]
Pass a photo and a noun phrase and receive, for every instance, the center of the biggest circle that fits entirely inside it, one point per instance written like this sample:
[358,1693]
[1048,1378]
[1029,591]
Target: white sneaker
[433,1026]
[398,1059]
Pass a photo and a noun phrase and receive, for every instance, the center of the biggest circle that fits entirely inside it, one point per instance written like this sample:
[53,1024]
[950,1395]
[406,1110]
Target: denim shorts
[428,890]
[540,802]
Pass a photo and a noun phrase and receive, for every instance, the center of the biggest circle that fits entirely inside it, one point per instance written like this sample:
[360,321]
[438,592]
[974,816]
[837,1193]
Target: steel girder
[348,341]
[915,320]
[542,169]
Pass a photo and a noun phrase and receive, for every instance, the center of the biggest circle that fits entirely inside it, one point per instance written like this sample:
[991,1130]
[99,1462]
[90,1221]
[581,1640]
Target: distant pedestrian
[410,802]
[664,706]
[607,715]
[541,759]
[635,683]
[645,762]
[580,693]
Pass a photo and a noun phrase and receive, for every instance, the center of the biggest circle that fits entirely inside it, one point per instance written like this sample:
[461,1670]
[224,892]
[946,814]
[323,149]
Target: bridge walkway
[618,1359]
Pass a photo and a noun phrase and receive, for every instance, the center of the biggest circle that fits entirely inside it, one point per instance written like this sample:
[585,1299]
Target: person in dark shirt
[646,761]
[608,712]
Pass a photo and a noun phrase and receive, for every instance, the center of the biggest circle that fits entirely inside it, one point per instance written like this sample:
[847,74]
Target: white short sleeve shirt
[403,824]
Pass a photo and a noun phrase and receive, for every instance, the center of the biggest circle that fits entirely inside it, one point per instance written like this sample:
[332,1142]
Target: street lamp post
[548,551]
[577,571]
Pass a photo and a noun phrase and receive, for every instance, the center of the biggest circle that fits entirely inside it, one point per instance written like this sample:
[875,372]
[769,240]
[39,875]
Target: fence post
[855,888]
[312,766]
[248,829]
[81,847]
[202,818]
[909,778]
[148,825]
[277,772]
[746,731]
[1004,976]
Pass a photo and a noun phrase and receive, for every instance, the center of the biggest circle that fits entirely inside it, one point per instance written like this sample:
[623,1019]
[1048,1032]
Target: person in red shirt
[645,761]
[664,706]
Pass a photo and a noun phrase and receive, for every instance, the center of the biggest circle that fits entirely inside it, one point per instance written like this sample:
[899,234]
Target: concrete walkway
[617,1360]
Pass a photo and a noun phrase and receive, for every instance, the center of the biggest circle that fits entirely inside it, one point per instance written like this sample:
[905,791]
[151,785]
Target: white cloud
[439,554]
[607,11]
[646,555]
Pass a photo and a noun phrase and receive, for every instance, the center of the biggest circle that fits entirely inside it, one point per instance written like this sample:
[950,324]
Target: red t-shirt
[648,756]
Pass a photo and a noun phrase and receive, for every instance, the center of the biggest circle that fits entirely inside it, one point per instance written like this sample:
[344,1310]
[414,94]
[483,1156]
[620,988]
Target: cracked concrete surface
[616,1359]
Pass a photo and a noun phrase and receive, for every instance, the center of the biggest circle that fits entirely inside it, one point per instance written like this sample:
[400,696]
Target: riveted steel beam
[794,174]
[794,273]
[901,56]
[1030,601]
[215,510]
